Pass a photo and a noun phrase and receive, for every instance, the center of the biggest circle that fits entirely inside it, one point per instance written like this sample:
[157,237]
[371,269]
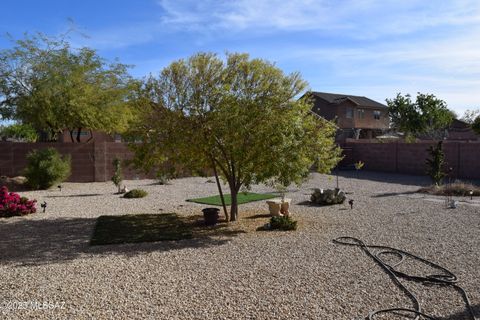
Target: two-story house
[356,117]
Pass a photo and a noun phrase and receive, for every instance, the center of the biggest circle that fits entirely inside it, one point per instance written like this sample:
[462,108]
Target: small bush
[284,223]
[459,189]
[46,167]
[163,179]
[117,177]
[135,193]
[11,204]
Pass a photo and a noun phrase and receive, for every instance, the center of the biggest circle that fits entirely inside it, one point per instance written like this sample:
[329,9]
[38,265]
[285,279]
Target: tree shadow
[465,314]
[50,241]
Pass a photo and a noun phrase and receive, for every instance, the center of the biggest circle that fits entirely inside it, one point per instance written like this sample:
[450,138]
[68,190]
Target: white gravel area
[49,271]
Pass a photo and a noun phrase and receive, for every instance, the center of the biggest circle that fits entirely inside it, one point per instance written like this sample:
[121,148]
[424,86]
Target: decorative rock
[328,196]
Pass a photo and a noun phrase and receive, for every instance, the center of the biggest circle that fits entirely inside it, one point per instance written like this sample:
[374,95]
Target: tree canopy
[470,115]
[427,115]
[18,131]
[476,125]
[239,116]
[48,84]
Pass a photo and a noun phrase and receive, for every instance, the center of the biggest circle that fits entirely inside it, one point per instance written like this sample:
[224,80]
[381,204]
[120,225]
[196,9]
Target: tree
[48,84]
[117,177]
[237,117]
[19,131]
[476,125]
[470,115]
[427,115]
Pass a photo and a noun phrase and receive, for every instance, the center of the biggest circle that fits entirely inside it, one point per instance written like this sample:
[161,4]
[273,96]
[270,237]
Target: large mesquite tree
[238,117]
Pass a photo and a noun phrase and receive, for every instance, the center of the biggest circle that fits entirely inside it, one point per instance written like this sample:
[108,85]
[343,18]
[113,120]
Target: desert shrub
[163,178]
[11,204]
[435,164]
[19,131]
[284,223]
[135,193]
[460,189]
[46,167]
[117,177]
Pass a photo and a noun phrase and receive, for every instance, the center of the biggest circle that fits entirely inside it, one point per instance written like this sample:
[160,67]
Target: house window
[376,114]
[349,113]
[361,113]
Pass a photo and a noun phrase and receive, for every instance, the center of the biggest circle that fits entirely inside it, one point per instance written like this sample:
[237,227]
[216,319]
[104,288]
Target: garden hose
[445,278]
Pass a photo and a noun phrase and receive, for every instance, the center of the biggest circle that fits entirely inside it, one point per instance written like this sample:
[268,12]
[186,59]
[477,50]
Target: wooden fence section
[409,158]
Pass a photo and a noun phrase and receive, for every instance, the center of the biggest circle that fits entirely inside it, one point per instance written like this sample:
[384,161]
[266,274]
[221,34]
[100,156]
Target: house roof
[336,98]
[459,124]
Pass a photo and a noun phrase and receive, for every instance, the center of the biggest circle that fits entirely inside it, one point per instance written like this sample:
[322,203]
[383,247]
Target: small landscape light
[350,202]
[471,194]
[59,188]
[44,206]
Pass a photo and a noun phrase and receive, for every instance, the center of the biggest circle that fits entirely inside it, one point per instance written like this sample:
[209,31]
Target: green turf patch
[134,228]
[243,197]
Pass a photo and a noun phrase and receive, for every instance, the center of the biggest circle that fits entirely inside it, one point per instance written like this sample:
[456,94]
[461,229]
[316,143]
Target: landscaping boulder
[14,184]
[327,196]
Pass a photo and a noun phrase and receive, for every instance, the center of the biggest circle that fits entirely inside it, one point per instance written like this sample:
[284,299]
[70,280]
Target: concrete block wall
[410,158]
[90,161]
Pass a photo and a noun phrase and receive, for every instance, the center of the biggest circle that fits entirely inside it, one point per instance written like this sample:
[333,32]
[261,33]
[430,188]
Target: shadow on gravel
[259,216]
[307,203]
[464,314]
[77,195]
[392,194]
[40,242]
[387,177]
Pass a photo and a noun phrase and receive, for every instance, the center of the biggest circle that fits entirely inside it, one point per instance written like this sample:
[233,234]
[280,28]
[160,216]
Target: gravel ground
[45,257]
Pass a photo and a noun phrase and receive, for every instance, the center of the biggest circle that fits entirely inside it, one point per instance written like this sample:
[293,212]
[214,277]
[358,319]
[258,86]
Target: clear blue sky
[374,48]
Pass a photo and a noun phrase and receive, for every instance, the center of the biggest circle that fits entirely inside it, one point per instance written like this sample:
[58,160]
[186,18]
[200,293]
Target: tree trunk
[91,136]
[52,135]
[219,186]
[234,206]
[79,134]
[71,135]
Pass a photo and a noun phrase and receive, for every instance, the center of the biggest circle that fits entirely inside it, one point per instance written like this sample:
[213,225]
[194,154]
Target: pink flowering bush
[11,204]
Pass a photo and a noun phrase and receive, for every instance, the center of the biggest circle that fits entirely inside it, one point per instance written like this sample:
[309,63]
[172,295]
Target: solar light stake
[471,194]
[350,202]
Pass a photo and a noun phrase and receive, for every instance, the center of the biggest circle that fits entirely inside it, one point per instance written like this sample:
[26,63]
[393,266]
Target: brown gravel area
[49,271]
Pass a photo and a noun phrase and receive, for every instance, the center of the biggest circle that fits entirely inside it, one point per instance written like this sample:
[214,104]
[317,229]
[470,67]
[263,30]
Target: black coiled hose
[446,277]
